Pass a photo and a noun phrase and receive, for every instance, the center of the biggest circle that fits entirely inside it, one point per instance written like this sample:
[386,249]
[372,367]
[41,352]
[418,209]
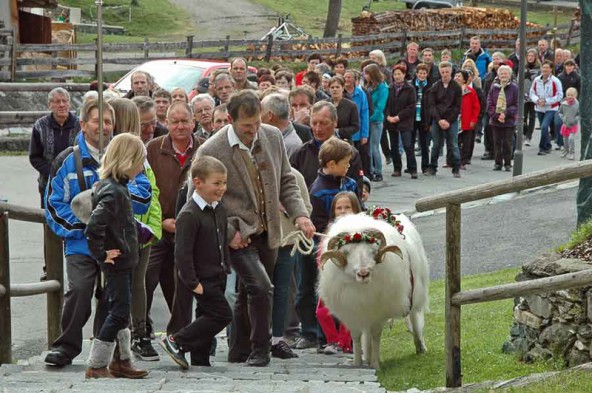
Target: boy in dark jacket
[334,157]
[201,257]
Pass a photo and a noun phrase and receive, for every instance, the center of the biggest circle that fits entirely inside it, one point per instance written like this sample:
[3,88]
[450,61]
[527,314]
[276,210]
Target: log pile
[445,19]
[435,20]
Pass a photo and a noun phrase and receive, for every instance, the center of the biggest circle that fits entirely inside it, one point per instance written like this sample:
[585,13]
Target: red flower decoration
[371,240]
[357,236]
[347,238]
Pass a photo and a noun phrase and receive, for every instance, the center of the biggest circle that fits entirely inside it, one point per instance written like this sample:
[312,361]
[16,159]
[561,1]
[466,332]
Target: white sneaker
[527,142]
[571,156]
[332,349]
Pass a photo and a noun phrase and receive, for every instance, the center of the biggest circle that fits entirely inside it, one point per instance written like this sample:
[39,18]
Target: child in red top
[338,336]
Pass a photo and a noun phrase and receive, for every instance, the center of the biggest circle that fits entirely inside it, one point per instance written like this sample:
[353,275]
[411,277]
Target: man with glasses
[170,158]
[150,127]
[203,106]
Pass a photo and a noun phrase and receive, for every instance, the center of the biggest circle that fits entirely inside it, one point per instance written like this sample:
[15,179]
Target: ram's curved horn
[384,250]
[337,257]
[379,236]
[331,245]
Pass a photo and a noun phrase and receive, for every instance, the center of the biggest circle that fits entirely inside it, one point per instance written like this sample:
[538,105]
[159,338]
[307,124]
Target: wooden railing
[356,47]
[454,297]
[53,286]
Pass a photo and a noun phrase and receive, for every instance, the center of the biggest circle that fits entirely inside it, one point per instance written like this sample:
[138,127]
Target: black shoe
[477,139]
[430,172]
[238,359]
[497,168]
[57,358]
[142,348]
[487,157]
[541,153]
[282,350]
[170,346]
[258,359]
[378,178]
[389,161]
[200,361]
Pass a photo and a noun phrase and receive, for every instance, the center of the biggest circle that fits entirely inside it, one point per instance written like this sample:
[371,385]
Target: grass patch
[485,327]
[151,18]
[573,382]
[582,234]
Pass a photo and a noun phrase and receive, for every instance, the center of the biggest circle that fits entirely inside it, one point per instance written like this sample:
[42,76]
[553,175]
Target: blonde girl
[113,242]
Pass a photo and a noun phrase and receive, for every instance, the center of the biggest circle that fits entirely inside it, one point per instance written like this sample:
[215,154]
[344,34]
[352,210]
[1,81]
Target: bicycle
[285,30]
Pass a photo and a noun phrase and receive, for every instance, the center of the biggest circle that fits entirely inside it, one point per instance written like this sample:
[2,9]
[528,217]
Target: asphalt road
[495,236]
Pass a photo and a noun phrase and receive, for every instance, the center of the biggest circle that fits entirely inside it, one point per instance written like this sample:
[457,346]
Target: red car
[168,74]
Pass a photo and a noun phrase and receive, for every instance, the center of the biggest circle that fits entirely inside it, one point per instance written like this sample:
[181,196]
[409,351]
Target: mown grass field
[485,327]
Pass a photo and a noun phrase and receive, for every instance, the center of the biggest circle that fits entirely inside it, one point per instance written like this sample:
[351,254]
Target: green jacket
[153,217]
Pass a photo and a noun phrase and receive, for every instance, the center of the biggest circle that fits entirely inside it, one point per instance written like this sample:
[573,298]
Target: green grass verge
[151,18]
[573,382]
[579,236]
[485,327]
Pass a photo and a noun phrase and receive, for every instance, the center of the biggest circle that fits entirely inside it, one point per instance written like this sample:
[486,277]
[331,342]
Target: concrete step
[309,373]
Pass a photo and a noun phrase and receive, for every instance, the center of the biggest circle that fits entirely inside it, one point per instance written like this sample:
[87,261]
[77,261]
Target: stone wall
[556,324]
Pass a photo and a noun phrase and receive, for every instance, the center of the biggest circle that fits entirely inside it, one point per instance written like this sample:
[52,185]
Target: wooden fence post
[339,38]
[146,48]
[227,48]
[13,56]
[452,312]
[5,320]
[268,48]
[462,35]
[54,261]
[403,43]
[97,59]
[189,49]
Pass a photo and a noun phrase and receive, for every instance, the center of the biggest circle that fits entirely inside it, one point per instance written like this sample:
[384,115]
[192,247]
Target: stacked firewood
[436,20]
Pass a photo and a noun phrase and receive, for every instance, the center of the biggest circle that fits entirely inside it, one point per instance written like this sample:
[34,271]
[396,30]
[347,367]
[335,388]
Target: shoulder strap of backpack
[79,169]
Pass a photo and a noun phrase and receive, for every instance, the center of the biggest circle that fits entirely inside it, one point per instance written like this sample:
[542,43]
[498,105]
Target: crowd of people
[195,189]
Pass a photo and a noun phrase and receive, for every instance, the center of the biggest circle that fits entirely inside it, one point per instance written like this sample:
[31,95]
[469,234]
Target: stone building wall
[556,324]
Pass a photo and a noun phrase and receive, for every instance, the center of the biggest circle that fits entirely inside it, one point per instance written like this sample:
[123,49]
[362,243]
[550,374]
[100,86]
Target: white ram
[385,275]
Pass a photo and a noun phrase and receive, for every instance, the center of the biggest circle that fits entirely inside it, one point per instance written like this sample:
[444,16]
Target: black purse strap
[79,169]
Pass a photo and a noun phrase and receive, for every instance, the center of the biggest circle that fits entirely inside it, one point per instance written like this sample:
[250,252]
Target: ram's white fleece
[364,307]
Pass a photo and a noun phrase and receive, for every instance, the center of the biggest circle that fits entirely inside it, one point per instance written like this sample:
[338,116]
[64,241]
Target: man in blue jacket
[478,55]
[82,269]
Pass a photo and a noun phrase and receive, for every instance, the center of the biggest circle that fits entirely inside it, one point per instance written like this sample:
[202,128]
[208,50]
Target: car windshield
[167,75]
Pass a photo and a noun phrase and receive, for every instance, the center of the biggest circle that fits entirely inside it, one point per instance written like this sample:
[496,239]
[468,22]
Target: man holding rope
[260,187]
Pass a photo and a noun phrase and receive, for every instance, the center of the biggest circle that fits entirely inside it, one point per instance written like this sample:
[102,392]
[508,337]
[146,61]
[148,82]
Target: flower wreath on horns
[385,214]
[358,237]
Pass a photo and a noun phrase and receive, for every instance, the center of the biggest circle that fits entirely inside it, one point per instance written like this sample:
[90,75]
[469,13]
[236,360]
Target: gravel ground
[240,19]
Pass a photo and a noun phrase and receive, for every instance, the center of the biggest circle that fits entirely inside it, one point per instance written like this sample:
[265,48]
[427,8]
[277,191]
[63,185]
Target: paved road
[494,235]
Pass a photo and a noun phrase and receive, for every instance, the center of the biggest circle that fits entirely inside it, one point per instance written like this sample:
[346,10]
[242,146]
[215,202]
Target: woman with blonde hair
[469,64]
[379,58]
[128,121]
[113,242]
[179,94]
[127,115]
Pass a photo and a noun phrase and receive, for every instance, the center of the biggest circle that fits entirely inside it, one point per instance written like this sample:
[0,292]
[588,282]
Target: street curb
[15,143]
[413,214]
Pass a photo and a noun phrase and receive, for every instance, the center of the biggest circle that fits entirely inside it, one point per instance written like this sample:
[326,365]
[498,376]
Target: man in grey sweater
[259,180]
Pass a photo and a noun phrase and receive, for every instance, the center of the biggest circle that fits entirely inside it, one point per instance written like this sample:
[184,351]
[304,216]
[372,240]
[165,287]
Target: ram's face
[361,261]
